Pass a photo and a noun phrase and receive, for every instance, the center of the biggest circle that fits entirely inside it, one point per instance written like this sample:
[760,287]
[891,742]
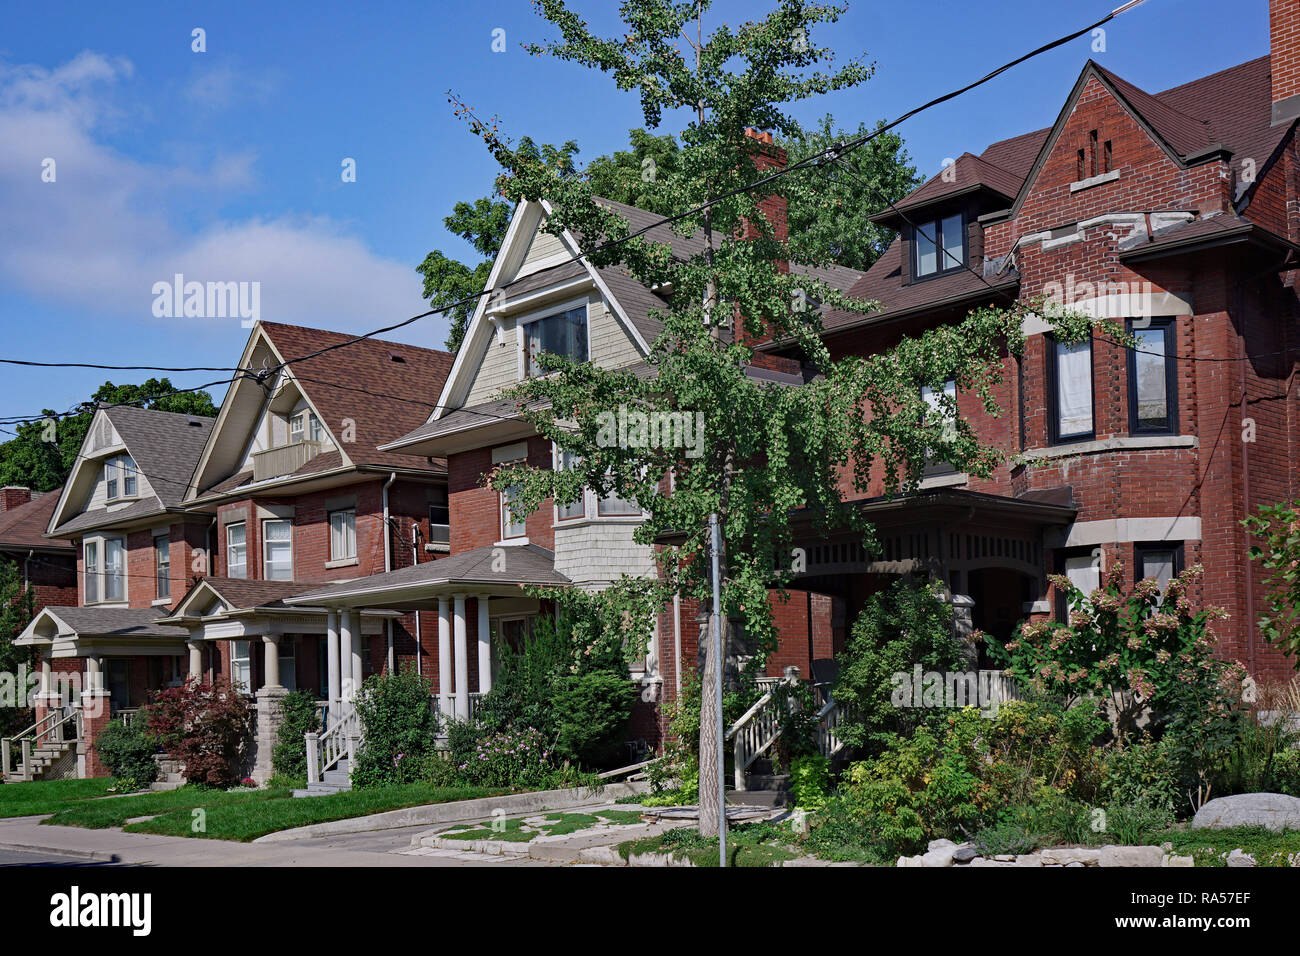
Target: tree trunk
[712,818]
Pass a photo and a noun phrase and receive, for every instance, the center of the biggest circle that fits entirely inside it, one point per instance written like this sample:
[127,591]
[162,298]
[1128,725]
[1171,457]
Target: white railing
[127,717]
[828,719]
[1001,685]
[50,729]
[753,734]
[339,740]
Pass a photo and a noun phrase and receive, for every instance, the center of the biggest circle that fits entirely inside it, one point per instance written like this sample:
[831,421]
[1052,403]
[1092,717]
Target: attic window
[940,246]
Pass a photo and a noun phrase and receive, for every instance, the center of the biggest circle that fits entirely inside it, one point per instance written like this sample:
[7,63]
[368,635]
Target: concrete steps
[337,780]
[43,757]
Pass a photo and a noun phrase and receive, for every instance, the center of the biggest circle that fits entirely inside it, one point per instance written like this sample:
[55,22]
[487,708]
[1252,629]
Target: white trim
[511,307]
[1125,530]
[1097,180]
[944,481]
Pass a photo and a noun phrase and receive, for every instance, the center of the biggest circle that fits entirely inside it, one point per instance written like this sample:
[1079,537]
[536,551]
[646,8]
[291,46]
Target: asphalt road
[41,858]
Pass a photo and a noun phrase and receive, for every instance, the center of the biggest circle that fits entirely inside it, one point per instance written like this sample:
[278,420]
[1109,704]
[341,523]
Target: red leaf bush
[205,724]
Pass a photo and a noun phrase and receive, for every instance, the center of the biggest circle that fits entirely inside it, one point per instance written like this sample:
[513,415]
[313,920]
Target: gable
[535,278]
[84,490]
[1145,172]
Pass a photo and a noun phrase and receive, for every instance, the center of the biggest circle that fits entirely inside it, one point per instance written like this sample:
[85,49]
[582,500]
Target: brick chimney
[11,496]
[1284,58]
[768,159]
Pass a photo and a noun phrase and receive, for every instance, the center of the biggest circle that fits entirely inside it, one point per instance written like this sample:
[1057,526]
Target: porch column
[484,647]
[462,660]
[47,678]
[359,646]
[332,661]
[444,656]
[271,659]
[94,677]
[196,659]
[345,654]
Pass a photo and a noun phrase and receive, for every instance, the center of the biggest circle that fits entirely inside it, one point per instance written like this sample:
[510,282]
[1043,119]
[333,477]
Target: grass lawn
[248,819]
[98,814]
[1211,847]
[747,846]
[48,796]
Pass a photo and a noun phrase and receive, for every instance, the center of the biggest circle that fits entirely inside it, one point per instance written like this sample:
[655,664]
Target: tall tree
[761,450]
[17,605]
[42,453]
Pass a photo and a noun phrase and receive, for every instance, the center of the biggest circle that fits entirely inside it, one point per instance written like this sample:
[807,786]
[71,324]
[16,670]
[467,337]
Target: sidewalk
[113,845]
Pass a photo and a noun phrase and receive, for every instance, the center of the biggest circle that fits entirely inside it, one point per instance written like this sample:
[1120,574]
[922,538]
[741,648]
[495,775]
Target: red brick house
[48,565]
[1177,213]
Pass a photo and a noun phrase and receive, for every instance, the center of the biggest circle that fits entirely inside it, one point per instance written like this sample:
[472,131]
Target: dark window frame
[940,256]
[1143,548]
[1169,325]
[1054,436]
[1062,555]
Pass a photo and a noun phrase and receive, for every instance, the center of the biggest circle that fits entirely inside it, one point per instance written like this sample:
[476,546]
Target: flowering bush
[515,759]
[1143,649]
[206,725]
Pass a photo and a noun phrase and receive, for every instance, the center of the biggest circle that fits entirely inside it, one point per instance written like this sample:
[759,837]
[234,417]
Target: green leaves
[1279,527]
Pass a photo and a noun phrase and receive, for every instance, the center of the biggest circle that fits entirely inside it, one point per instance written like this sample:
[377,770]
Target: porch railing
[127,716]
[283,459]
[326,750]
[57,727]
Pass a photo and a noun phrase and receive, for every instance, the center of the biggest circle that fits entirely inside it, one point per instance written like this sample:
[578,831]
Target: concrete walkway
[27,835]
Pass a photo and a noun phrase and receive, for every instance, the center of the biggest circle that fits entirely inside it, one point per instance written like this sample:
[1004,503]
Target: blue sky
[225,165]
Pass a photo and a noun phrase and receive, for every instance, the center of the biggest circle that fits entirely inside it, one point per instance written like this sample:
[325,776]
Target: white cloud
[101,235]
[221,87]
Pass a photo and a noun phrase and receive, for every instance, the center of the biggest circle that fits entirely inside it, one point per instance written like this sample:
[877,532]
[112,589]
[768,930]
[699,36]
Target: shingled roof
[23,528]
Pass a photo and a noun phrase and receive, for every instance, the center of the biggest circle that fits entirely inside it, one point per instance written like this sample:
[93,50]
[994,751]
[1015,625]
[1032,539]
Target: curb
[97,856]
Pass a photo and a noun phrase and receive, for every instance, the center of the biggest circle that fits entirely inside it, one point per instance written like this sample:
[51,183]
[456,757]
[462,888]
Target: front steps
[48,763]
[332,781]
[762,790]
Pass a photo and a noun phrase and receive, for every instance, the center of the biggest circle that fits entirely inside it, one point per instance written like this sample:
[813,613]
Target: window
[1162,560]
[563,334]
[114,570]
[343,534]
[940,246]
[90,560]
[612,504]
[288,664]
[296,427]
[1083,569]
[162,561]
[567,461]
[236,551]
[1069,391]
[277,550]
[241,665]
[315,430]
[439,517]
[1153,379]
[512,526]
[935,399]
[120,479]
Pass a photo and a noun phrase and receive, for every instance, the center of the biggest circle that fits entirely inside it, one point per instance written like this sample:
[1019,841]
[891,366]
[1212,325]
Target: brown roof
[243,593]
[23,528]
[384,388]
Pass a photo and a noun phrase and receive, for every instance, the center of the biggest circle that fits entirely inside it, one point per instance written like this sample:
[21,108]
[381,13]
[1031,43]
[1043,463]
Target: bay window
[567,461]
[114,569]
[512,525]
[439,516]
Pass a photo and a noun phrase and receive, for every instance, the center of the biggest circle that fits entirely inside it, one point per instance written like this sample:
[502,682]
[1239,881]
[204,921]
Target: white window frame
[243,526]
[340,550]
[315,428]
[566,460]
[636,512]
[536,315]
[507,524]
[266,542]
[242,664]
[92,591]
[297,425]
[162,566]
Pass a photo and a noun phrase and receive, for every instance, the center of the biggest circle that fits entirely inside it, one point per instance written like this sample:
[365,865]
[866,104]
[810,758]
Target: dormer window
[120,479]
[563,334]
[305,426]
[940,246]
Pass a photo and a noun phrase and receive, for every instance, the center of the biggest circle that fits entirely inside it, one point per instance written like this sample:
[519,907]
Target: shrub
[1143,773]
[1138,823]
[399,727]
[128,753]
[810,781]
[904,625]
[591,712]
[517,759]
[207,726]
[299,717]
[1006,838]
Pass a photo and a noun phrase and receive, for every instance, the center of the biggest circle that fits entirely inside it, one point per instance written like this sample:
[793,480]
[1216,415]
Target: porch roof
[76,631]
[235,597]
[503,567]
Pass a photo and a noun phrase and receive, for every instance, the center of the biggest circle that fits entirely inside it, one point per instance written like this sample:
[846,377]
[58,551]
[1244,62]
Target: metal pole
[717,689]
